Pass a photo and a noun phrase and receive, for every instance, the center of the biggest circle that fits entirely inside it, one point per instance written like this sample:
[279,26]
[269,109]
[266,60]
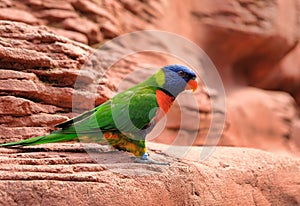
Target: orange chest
[164,100]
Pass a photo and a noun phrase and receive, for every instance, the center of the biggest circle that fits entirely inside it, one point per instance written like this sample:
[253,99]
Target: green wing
[129,111]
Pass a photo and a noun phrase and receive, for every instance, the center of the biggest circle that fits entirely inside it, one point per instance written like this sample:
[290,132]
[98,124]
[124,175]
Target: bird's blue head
[178,78]
[182,71]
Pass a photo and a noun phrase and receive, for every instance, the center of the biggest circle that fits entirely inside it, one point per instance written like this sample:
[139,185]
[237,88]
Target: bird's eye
[181,73]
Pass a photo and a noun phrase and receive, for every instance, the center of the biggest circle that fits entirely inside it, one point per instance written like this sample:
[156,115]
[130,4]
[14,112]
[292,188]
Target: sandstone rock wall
[254,45]
[262,38]
[89,22]
[38,73]
[67,175]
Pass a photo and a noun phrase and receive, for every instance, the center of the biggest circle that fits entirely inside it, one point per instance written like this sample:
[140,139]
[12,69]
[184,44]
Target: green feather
[53,137]
[160,78]
[129,112]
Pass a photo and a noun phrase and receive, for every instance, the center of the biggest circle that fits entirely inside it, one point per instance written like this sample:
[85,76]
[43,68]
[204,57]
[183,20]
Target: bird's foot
[146,160]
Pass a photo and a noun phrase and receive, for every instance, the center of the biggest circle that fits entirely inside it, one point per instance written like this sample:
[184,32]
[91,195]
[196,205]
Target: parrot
[124,120]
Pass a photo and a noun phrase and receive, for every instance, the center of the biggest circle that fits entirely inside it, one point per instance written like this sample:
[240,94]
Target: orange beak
[192,84]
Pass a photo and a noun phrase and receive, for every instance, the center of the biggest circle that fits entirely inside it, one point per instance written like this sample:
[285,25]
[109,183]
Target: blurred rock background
[254,45]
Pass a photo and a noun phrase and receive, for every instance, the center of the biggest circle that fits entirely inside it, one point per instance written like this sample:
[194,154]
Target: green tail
[53,137]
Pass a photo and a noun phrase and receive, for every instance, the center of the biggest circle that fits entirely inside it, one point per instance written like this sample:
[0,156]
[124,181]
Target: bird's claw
[144,159]
[145,156]
[150,161]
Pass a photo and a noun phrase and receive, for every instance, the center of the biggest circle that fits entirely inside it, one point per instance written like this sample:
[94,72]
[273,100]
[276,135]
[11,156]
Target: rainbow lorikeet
[125,119]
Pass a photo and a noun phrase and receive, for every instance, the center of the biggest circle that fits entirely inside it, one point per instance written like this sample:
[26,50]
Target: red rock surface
[38,73]
[254,45]
[252,26]
[64,174]
[268,127]
[74,19]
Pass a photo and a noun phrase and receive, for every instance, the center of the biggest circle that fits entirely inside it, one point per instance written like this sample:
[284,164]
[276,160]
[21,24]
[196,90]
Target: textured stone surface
[17,15]
[286,76]
[38,73]
[261,36]
[90,29]
[95,20]
[252,43]
[256,33]
[67,175]
[295,133]
[261,119]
